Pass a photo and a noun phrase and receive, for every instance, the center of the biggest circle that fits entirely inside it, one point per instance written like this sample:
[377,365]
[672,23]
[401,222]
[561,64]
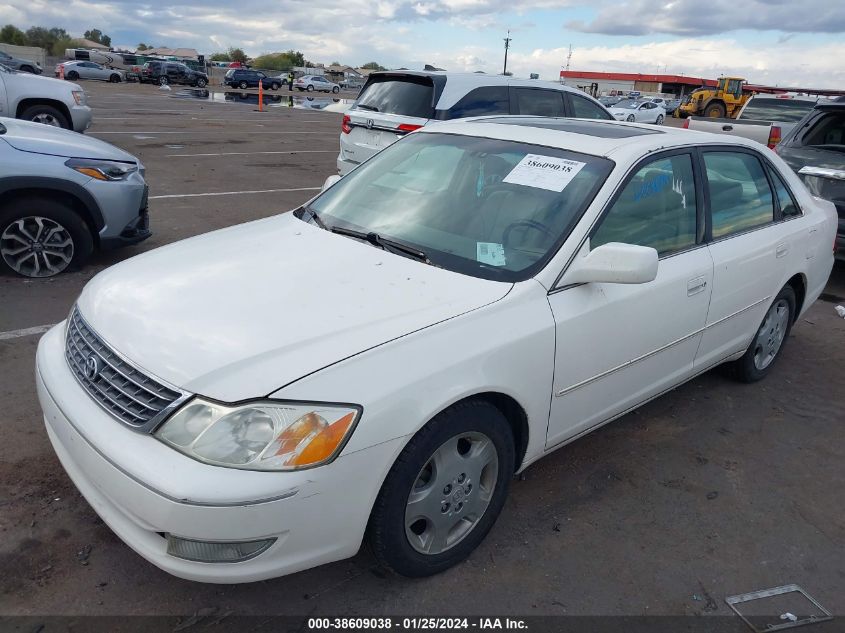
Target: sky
[776,42]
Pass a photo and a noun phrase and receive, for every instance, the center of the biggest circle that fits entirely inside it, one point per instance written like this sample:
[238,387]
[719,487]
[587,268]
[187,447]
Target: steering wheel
[529,224]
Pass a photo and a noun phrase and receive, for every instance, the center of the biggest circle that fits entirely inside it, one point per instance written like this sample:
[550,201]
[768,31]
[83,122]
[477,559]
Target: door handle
[727,128]
[694,286]
[781,250]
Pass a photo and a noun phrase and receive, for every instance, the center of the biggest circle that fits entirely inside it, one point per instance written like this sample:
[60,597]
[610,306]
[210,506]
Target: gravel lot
[715,489]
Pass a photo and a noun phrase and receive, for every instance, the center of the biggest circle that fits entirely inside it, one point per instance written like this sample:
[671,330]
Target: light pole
[507,46]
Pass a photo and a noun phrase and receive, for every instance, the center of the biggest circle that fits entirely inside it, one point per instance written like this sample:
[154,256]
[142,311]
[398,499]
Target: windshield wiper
[384,243]
[315,216]
[364,106]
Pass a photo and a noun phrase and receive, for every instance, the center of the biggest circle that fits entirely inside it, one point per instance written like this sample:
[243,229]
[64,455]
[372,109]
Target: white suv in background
[392,103]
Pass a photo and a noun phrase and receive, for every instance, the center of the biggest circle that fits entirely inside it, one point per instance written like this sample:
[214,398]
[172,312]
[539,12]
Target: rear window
[407,96]
[785,110]
[538,102]
[829,130]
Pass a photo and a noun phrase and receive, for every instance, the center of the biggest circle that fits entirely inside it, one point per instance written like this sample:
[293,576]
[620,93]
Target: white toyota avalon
[380,362]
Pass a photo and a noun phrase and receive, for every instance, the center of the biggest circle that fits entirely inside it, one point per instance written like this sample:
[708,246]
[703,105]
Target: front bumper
[135,231]
[124,206]
[143,489]
[81,118]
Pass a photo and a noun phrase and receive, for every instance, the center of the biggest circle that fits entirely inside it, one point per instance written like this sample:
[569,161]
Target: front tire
[310,88]
[201,82]
[42,238]
[445,490]
[630,118]
[115,79]
[715,111]
[769,340]
[335,90]
[47,115]
[659,120]
[72,76]
[275,86]
[163,81]
[243,85]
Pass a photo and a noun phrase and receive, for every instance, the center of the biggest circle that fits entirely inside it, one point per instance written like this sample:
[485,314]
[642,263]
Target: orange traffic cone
[260,96]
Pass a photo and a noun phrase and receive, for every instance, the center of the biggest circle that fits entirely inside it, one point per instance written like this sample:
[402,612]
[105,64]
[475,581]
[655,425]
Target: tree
[142,47]
[58,48]
[237,55]
[220,57]
[96,35]
[373,66]
[335,64]
[280,61]
[10,34]
[40,37]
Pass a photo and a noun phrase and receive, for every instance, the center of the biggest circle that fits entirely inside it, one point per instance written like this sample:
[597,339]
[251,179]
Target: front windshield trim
[602,167]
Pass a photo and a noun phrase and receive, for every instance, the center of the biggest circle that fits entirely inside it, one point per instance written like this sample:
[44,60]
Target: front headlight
[263,435]
[102,169]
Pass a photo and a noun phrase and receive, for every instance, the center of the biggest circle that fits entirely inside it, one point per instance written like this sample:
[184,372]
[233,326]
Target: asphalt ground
[716,488]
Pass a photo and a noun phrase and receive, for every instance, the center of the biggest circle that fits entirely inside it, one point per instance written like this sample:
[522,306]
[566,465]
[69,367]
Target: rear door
[389,106]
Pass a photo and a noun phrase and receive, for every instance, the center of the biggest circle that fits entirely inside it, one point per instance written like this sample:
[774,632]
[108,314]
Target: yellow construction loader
[723,101]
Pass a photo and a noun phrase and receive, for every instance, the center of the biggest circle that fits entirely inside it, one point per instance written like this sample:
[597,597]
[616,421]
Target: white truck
[43,100]
[764,118]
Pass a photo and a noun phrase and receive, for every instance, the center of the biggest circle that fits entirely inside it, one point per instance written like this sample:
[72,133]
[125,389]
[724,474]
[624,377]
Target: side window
[829,130]
[585,109]
[480,102]
[656,208]
[740,196]
[539,102]
[788,207]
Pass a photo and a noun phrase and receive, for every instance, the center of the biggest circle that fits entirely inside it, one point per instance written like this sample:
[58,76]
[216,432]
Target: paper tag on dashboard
[490,253]
[544,172]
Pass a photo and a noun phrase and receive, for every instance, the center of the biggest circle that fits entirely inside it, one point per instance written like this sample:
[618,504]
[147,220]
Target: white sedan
[638,111]
[381,361]
[89,70]
[317,83]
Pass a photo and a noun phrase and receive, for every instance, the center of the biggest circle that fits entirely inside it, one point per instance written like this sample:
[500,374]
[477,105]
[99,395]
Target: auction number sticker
[544,172]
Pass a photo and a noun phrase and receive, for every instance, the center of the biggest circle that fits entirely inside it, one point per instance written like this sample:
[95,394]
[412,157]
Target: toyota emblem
[370,124]
[92,367]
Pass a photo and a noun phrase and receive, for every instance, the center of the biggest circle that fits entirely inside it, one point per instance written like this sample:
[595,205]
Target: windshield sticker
[490,253]
[544,172]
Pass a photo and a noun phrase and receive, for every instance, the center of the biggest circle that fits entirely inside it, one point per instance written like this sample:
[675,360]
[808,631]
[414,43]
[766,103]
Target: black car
[163,73]
[243,79]
[815,148]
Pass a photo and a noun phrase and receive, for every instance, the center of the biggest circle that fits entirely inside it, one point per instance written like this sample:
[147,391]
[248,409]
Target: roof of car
[586,136]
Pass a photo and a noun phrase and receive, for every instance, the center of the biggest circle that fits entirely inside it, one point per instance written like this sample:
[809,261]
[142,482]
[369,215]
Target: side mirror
[329,182]
[613,263]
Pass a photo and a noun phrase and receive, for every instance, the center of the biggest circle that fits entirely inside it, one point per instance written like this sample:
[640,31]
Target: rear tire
[115,79]
[58,238]
[310,88]
[201,83]
[768,341]
[243,85]
[72,76]
[163,81]
[335,90]
[47,115]
[275,86]
[448,484]
[631,118]
[659,120]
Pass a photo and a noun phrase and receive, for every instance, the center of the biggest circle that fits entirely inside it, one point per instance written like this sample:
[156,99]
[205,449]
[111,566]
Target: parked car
[43,100]
[502,286]
[23,65]
[393,103]
[315,82]
[89,70]
[638,111]
[243,79]
[671,106]
[610,101]
[64,195]
[163,73]
[815,149]
[764,118]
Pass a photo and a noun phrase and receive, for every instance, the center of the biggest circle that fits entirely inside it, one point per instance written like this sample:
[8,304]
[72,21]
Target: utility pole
[507,46]
[569,57]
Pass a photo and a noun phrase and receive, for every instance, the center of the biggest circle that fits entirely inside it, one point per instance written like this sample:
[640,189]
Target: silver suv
[394,103]
[62,195]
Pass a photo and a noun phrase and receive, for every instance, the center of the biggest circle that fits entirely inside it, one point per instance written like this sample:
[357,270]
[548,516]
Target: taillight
[407,127]
[686,124]
[344,126]
[774,136]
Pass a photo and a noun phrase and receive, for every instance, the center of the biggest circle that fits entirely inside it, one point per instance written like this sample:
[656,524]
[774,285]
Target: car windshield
[628,105]
[484,207]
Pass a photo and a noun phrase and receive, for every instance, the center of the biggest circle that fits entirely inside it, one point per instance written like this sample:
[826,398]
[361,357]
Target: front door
[618,345]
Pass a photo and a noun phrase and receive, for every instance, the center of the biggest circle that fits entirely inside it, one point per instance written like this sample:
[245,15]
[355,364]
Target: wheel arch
[798,282]
[23,104]
[81,201]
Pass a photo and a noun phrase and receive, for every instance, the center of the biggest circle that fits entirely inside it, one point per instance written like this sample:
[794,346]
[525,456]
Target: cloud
[693,17]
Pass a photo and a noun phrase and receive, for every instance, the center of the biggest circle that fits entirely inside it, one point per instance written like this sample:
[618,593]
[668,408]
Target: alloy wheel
[771,334]
[451,493]
[35,246]
[47,119]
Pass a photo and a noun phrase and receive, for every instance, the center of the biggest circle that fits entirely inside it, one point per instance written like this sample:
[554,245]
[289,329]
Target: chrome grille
[120,388]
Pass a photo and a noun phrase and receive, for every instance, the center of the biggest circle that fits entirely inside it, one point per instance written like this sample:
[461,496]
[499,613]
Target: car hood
[46,139]
[241,312]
